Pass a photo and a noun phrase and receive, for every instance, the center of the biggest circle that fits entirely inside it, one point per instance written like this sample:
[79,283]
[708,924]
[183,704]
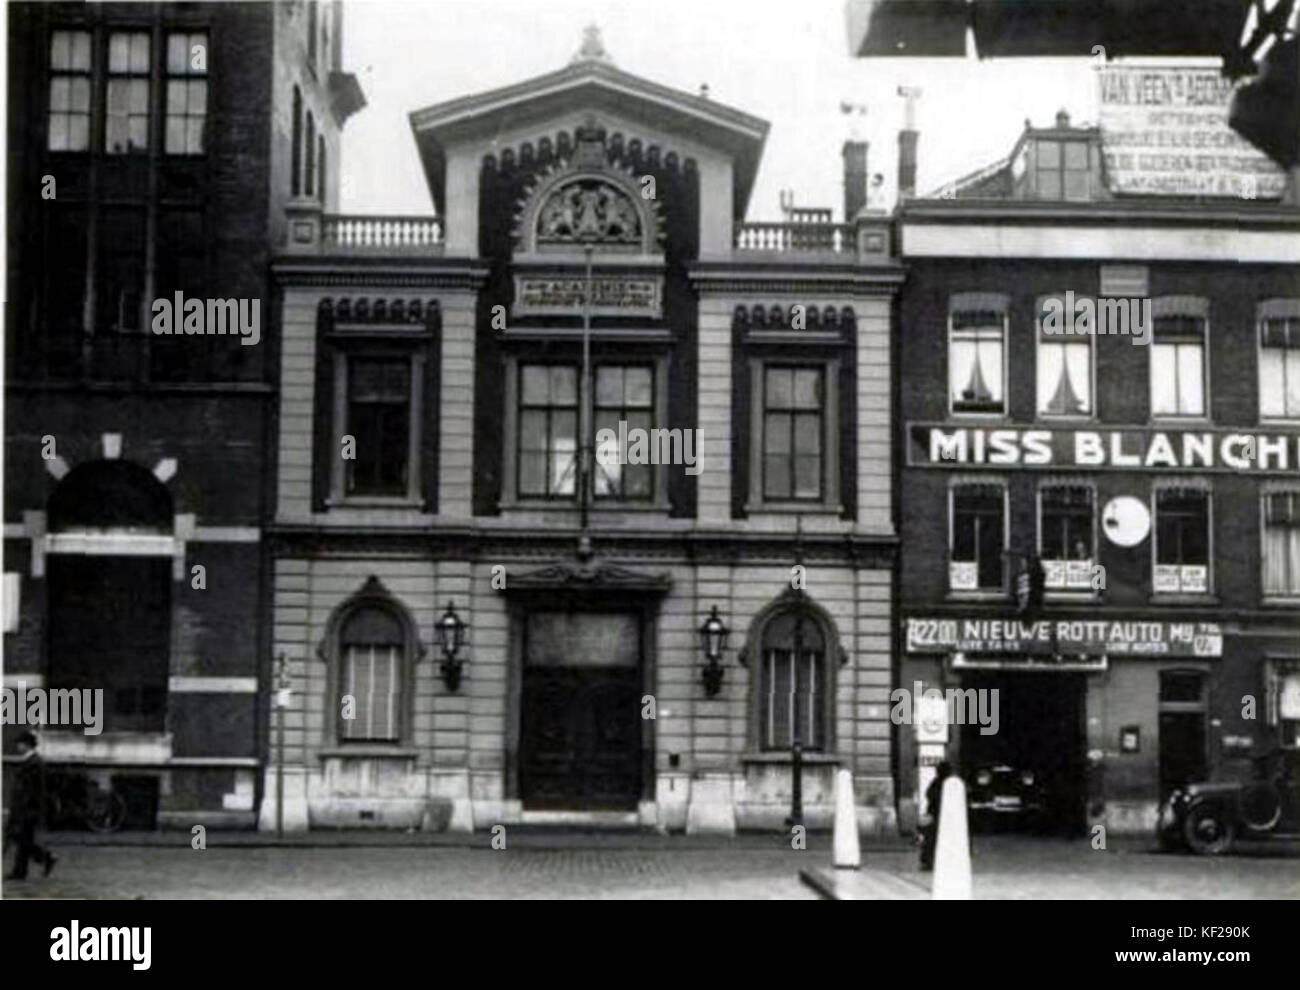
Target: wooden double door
[581,730]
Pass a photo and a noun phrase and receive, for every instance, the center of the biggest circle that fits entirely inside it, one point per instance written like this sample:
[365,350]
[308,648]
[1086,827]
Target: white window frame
[978,592]
[965,302]
[1171,306]
[1273,488]
[1064,590]
[1273,309]
[1198,485]
[1040,339]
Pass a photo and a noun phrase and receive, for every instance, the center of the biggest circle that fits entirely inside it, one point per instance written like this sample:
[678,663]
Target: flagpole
[584,454]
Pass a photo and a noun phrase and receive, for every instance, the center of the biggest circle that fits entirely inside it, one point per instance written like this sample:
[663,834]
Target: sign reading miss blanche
[1132,448]
[1115,637]
[1164,131]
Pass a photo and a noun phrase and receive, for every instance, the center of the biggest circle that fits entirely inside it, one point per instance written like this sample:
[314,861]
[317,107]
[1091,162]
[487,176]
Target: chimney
[907,139]
[855,178]
[907,164]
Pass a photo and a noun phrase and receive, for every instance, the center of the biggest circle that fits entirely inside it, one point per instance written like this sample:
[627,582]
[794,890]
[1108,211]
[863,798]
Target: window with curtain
[548,431]
[1182,527]
[977,543]
[187,94]
[1282,543]
[1284,701]
[975,361]
[1178,366]
[1064,373]
[68,124]
[624,393]
[794,679]
[1066,536]
[372,646]
[1279,368]
[126,118]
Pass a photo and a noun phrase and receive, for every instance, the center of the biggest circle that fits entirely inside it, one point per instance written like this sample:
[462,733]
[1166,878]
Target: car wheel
[1208,830]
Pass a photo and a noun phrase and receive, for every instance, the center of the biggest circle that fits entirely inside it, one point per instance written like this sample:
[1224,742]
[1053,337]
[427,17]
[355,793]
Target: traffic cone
[847,854]
[952,880]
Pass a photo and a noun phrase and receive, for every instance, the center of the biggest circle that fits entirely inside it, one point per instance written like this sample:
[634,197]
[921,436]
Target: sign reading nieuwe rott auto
[1132,448]
[1067,636]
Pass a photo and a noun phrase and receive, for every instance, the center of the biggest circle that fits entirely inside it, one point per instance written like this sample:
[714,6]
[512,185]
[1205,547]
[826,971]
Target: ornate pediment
[594,577]
[587,200]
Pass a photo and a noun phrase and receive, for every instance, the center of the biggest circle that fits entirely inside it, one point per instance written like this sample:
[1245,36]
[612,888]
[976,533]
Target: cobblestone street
[565,866]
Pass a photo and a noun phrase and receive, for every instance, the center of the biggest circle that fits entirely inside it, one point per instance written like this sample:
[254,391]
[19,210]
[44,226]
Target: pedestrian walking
[27,809]
[933,801]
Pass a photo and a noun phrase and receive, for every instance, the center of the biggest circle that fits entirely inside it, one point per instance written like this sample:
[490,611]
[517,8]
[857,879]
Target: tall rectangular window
[975,361]
[126,113]
[1282,543]
[1065,536]
[187,93]
[624,394]
[1279,368]
[978,542]
[1182,552]
[1178,366]
[793,411]
[69,111]
[120,259]
[548,431]
[1284,700]
[1064,372]
[379,420]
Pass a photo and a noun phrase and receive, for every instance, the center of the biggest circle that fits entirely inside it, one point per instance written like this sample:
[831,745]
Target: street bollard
[847,854]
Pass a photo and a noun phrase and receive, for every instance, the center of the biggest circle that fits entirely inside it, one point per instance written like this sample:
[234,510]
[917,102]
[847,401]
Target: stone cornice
[482,544]
[1144,212]
[464,274]
[740,279]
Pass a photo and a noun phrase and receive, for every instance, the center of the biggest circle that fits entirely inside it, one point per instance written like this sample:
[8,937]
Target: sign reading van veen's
[1115,637]
[1164,131]
[1137,448]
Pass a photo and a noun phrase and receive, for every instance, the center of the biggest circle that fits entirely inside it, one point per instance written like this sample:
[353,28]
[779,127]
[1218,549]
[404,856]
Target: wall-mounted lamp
[450,634]
[714,635]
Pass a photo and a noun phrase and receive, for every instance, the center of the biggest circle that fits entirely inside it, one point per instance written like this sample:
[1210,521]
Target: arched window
[320,168]
[793,654]
[371,646]
[309,183]
[295,163]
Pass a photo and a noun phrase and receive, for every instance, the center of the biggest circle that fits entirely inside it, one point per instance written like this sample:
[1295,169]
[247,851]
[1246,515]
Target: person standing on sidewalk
[27,809]
[933,801]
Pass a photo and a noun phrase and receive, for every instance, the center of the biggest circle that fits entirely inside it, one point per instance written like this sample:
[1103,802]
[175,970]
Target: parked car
[1004,793]
[1209,818]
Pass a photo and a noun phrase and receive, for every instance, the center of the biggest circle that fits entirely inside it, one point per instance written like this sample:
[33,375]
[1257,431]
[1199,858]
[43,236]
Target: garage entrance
[1031,774]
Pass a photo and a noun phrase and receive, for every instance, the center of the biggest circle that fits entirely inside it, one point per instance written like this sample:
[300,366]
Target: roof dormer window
[1062,169]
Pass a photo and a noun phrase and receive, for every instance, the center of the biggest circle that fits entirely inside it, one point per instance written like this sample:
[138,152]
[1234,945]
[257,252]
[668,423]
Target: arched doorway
[109,586]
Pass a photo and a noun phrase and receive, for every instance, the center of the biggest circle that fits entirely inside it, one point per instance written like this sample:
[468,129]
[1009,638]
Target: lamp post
[584,425]
[714,634]
[450,635]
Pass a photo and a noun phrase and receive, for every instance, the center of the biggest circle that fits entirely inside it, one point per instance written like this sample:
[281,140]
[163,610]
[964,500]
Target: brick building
[1157,479]
[431,474]
[152,151]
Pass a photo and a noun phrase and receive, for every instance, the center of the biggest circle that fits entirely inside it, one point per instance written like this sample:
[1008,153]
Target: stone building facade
[431,470]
